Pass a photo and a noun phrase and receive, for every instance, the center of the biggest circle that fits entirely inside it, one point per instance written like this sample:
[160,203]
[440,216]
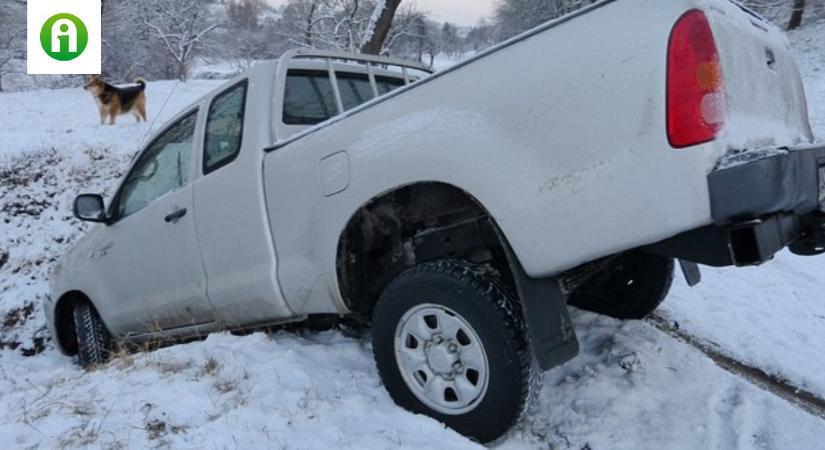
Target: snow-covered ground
[632,386]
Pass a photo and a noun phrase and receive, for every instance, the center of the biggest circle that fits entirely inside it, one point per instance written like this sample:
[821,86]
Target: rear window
[309,98]
[388,84]
[355,89]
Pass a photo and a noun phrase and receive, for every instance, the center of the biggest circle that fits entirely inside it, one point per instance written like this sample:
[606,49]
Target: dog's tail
[141,82]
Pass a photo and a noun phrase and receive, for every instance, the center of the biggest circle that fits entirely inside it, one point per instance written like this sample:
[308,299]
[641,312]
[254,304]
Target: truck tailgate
[764,93]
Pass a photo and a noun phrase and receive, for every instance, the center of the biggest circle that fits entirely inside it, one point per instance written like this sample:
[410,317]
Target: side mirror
[90,208]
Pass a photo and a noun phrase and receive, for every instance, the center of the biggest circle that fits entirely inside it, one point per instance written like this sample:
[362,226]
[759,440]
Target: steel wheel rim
[441,359]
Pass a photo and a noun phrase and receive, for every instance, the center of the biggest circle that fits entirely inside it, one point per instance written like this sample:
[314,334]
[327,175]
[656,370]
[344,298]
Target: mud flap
[549,328]
[693,276]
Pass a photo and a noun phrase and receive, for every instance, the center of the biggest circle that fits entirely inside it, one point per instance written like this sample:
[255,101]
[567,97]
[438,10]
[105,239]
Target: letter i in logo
[64,37]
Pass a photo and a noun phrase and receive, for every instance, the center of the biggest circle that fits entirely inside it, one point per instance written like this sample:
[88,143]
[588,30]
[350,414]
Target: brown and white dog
[113,101]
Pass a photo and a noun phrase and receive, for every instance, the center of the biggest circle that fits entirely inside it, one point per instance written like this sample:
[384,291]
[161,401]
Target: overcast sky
[461,12]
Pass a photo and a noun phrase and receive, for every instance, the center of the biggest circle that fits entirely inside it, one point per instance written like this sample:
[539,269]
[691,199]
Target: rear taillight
[695,88]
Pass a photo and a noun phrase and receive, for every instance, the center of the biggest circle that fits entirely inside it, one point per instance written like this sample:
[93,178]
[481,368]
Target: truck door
[150,264]
[231,217]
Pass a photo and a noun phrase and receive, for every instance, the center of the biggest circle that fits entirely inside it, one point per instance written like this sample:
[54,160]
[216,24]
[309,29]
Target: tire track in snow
[805,400]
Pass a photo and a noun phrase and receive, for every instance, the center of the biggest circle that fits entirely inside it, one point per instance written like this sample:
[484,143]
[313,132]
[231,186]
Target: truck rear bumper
[790,182]
[759,207]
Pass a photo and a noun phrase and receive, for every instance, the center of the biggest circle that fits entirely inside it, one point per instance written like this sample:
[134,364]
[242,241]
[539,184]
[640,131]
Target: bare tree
[516,16]
[480,36]
[380,24]
[326,24]
[245,14]
[352,13]
[346,25]
[778,11]
[182,26]
[409,35]
[122,60]
[309,23]
[247,37]
[12,36]
[796,14]
[451,43]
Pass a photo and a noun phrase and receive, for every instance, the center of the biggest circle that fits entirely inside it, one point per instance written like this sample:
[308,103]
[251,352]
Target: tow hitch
[759,208]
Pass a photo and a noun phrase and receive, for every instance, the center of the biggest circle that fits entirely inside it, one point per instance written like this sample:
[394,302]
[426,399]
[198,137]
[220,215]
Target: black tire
[94,342]
[631,287]
[495,318]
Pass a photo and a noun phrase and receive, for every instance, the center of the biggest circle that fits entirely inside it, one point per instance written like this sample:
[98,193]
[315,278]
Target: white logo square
[63,37]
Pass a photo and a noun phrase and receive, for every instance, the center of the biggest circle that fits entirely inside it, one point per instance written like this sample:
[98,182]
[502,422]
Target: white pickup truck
[459,213]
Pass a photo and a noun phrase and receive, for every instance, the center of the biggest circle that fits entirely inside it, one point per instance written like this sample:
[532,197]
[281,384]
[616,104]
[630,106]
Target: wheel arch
[409,224]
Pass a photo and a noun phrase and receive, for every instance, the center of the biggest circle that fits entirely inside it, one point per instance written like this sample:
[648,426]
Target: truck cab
[196,192]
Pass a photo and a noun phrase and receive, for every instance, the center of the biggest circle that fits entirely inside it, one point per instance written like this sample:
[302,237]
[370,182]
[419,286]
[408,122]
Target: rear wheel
[630,287]
[449,343]
[94,343]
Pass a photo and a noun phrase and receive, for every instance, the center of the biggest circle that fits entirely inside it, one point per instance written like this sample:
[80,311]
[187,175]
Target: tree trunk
[796,15]
[352,15]
[183,71]
[309,23]
[382,28]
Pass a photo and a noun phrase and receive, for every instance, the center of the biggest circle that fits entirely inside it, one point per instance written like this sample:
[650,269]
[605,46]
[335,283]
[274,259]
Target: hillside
[632,387]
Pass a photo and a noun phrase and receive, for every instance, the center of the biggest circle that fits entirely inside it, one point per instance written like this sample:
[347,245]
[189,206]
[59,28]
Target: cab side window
[224,128]
[162,168]
[309,98]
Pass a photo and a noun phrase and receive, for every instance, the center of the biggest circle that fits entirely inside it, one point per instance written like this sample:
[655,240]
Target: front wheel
[94,342]
[449,343]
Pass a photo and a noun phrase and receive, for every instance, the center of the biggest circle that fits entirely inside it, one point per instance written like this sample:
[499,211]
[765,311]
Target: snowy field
[632,387]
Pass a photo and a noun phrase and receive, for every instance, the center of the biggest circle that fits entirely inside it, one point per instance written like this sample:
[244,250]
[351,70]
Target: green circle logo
[64,37]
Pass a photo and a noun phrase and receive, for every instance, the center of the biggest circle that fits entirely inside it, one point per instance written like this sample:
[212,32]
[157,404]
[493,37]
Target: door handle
[175,216]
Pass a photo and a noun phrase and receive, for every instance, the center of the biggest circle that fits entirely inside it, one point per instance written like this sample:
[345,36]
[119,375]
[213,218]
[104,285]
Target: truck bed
[559,133]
